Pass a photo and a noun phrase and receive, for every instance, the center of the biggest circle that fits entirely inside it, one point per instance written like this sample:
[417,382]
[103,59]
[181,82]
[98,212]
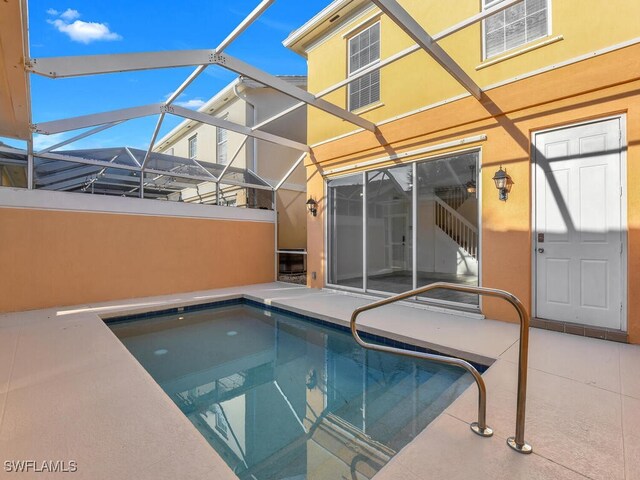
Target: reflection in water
[282,398]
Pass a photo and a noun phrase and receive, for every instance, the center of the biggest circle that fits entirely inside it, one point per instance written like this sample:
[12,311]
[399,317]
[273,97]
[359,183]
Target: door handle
[541,250]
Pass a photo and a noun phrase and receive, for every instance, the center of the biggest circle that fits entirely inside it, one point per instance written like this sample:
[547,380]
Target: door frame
[622,118]
[439,305]
[389,246]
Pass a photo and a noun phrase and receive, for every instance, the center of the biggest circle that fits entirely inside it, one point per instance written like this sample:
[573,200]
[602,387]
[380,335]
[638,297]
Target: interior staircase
[452,223]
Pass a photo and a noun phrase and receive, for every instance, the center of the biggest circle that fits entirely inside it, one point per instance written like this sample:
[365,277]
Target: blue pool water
[279,397]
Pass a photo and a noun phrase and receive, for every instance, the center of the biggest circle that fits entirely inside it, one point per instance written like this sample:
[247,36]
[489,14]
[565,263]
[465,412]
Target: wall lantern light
[503,184]
[471,184]
[312,206]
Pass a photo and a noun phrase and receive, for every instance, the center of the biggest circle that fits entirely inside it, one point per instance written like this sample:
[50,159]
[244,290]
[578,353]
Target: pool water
[279,397]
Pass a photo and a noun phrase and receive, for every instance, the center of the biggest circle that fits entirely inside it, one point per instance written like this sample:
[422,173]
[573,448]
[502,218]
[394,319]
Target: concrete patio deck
[69,390]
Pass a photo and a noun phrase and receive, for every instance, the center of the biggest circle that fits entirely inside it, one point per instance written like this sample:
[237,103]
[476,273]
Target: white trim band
[72,202]
[411,153]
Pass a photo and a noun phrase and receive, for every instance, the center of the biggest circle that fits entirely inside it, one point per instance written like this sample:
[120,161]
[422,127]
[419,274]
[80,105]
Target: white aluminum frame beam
[30,164]
[8,149]
[87,161]
[93,64]
[208,177]
[64,177]
[81,65]
[79,137]
[202,178]
[64,180]
[185,84]
[252,17]
[278,115]
[475,19]
[74,123]
[246,70]
[236,183]
[291,170]
[132,156]
[207,172]
[154,137]
[58,126]
[412,28]
[234,127]
[233,157]
[395,57]
[242,26]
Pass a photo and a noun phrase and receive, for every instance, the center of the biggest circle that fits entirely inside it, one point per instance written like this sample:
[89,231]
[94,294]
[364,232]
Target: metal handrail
[480,427]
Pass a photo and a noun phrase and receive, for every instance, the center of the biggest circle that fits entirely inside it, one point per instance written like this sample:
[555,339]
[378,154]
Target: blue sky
[74,27]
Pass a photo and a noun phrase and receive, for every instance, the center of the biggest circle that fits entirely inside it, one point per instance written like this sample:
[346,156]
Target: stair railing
[461,230]
[480,427]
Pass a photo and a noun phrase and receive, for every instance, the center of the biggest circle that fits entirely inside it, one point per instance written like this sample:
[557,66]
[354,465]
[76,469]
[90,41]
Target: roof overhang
[15,103]
[325,20]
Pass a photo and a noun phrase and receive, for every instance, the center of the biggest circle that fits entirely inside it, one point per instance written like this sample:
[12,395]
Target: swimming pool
[282,397]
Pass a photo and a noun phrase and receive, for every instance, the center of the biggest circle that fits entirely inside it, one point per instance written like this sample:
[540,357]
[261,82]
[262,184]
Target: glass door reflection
[390,229]
[447,225]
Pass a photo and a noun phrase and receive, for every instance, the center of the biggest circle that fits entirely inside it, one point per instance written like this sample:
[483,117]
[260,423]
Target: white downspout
[254,168]
[254,109]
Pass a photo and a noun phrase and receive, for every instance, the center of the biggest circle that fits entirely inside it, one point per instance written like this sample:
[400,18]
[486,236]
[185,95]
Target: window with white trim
[517,25]
[221,145]
[193,146]
[364,50]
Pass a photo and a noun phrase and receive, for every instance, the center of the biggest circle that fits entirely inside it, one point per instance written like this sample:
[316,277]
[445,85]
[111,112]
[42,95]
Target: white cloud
[80,31]
[85,32]
[194,103]
[41,142]
[70,15]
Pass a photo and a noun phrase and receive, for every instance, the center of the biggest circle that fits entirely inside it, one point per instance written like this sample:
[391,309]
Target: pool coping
[386,336]
[67,362]
[313,319]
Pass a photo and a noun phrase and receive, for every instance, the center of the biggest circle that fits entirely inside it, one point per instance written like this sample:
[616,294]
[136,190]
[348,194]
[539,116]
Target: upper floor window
[193,146]
[221,144]
[519,24]
[364,50]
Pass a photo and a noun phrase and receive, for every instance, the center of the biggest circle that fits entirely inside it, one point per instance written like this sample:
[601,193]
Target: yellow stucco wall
[509,115]
[59,258]
[292,219]
[417,81]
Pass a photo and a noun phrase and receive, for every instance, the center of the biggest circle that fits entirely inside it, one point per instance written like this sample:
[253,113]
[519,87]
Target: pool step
[435,408]
[413,412]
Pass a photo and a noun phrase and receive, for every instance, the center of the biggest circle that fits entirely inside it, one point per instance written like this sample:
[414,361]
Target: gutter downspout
[254,169]
[254,109]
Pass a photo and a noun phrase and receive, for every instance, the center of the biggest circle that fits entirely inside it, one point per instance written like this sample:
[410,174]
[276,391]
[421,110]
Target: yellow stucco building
[416,201]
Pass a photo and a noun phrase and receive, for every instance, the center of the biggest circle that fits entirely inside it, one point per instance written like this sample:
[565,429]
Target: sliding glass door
[346,220]
[389,229]
[447,225]
[394,229]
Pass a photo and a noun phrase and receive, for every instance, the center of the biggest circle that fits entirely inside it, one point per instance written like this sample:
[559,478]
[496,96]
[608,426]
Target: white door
[578,236]
[397,241]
